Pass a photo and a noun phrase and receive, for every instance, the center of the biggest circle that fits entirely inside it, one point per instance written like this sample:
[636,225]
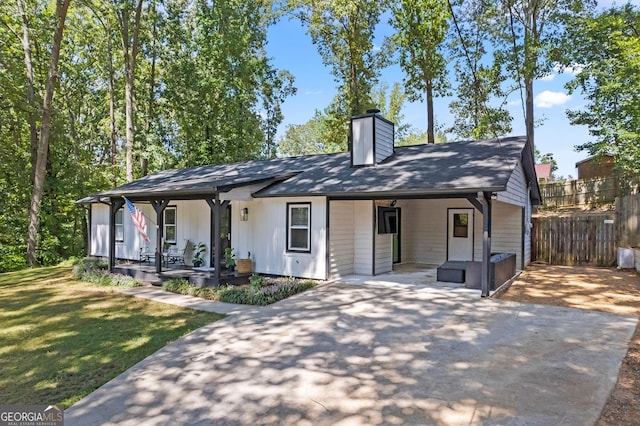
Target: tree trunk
[528,85]
[430,119]
[130,50]
[31,107]
[530,59]
[43,144]
[144,161]
[112,101]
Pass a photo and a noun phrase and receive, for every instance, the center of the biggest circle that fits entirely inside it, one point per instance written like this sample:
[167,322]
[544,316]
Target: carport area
[345,354]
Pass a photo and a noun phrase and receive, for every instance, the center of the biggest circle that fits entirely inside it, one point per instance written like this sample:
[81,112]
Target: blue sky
[290,48]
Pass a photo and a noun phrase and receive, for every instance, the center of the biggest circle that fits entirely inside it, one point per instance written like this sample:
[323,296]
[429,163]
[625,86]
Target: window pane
[460,225]
[119,233]
[119,221]
[170,234]
[170,216]
[299,216]
[299,238]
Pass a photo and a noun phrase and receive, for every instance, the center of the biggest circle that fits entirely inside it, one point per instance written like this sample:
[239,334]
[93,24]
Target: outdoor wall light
[244,214]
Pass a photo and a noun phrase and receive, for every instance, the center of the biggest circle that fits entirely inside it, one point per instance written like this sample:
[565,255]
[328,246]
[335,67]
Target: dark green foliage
[205,92]
[609,46]
[95,271]
[257,280]
[260,292]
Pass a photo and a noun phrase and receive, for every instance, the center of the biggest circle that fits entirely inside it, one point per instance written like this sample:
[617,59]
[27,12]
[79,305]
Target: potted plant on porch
[229,258]
[198,254]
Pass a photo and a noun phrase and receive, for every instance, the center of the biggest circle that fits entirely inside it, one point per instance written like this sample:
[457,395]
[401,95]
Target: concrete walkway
[354,355]
[192,302]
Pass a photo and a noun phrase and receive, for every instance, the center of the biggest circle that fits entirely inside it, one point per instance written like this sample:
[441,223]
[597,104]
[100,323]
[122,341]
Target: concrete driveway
[342,354]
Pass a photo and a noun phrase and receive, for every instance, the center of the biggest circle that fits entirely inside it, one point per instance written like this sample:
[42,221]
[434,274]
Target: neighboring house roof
[598,158]
[543,171]
[420,170]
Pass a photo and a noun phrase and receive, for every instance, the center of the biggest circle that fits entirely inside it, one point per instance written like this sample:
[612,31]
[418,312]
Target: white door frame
[460,246]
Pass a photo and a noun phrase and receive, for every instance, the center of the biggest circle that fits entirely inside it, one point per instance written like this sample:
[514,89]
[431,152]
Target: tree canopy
[606,50]
[94,94]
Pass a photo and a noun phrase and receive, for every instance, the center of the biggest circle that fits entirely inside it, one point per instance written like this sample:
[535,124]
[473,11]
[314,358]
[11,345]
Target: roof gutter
[385,195]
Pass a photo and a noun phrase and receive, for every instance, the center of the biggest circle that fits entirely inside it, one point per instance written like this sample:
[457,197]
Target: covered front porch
[204,276]
[416,276]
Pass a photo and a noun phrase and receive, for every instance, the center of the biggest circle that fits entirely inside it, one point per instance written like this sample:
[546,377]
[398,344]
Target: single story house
[330,215]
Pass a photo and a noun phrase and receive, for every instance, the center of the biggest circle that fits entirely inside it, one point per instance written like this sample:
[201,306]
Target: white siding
[341,238]
[424,230]
[130,247]
[363,237]
[193,224]
[527,232]
[506,230]
[99,244]
[383,139]
[516,192]
[369,135]
[362,141]
[265,236]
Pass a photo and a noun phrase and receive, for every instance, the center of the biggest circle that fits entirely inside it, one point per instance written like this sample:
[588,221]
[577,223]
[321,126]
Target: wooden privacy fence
[579,192]
[584,238]
[628,220]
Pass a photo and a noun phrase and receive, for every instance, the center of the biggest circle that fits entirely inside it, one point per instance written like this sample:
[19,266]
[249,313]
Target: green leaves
[606,51]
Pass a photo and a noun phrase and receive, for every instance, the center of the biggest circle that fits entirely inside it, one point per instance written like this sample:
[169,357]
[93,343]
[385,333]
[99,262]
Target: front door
[225,232]
[460,234]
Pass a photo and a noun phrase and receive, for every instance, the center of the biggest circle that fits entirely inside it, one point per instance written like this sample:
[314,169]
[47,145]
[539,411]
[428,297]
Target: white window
[119,221]
[170,225]
[299,227]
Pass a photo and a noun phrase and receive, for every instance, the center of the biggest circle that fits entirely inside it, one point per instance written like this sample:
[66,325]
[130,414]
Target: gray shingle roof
[420,170]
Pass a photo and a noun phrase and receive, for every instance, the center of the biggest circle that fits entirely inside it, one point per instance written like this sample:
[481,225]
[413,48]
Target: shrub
[95,271]
[89,265]
[264,295]
[182,286]
[258,293]
[231,294]
[257,280]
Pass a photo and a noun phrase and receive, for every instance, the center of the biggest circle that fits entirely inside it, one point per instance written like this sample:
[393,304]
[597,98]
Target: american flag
[138,219]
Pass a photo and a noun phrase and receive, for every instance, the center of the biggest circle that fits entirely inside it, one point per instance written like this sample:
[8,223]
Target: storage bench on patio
[502,267]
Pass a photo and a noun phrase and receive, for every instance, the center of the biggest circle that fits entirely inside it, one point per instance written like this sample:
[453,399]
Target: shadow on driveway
[341,354]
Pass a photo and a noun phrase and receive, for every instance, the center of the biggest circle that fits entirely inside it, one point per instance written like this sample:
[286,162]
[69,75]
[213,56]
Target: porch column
[483,204]
[159,206]
[216,210]
[115,205]
[485,200]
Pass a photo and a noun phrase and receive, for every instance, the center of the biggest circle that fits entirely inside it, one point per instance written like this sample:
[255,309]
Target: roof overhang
[393,194]
[184,191]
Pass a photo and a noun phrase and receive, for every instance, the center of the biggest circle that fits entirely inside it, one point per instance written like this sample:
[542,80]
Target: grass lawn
[60,338]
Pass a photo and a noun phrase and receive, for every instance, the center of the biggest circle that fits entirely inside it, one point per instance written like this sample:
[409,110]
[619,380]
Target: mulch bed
[598,289]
